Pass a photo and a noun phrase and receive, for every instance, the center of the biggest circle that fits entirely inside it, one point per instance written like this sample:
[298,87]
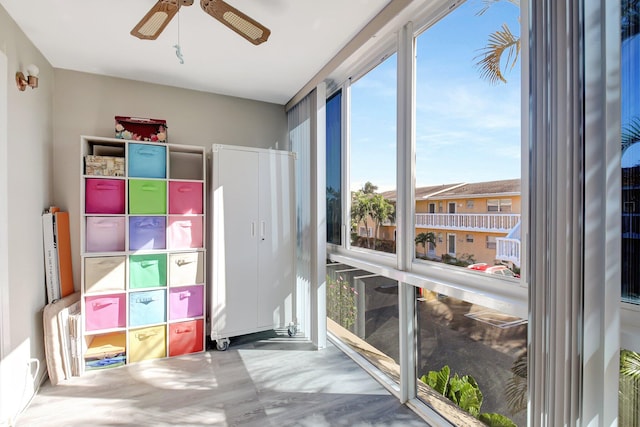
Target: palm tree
[360,208]
[381,211]
[500,42]
[424,238]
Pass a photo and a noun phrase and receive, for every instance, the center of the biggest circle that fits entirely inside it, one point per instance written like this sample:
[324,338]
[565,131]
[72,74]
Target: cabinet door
[276,240]
[235,251]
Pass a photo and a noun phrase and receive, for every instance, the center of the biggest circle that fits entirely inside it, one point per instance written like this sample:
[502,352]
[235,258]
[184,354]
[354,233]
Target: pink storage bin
[105,312]
[105,234]
[185,197]
[185,302]
[104,196]
[184,232]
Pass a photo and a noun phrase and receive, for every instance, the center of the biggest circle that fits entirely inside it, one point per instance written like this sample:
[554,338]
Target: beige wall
[26,188]
[86,104]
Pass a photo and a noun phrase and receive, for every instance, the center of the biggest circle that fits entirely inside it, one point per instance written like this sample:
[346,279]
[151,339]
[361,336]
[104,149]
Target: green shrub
[465,393]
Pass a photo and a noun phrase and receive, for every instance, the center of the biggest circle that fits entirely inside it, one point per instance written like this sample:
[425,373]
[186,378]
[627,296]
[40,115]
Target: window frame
[487,290]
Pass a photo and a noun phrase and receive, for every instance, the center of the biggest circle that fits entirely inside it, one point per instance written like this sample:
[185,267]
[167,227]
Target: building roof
[506,187]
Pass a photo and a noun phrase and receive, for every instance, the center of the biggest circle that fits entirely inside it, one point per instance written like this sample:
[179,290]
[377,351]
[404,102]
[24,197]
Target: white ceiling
[93,36]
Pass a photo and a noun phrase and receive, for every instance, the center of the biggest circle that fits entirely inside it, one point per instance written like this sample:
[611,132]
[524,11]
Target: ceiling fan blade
[150,27]
[247,27]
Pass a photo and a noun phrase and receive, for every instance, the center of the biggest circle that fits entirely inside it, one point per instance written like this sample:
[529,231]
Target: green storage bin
[147,196]
[147,271]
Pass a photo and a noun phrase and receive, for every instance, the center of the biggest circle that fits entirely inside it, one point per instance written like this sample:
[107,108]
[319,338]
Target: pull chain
[177,46]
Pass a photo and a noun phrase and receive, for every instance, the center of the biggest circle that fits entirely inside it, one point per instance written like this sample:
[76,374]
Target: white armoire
[253,237]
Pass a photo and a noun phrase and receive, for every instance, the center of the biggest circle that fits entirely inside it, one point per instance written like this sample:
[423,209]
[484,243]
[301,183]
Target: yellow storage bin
[147,343]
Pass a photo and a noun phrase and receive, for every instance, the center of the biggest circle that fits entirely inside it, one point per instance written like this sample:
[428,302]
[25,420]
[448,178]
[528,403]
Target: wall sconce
[31,80]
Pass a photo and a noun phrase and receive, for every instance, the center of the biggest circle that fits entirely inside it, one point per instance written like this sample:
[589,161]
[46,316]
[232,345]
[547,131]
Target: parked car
[501,270]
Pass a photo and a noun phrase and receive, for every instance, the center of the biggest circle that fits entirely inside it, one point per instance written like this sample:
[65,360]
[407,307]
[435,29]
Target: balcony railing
[508,250]
[500,223]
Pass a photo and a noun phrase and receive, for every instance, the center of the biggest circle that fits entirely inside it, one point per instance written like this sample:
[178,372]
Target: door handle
[263,229]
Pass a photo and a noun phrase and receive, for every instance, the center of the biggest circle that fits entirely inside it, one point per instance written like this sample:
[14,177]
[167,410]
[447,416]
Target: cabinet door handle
[184,190]
[263,229]
[253,229]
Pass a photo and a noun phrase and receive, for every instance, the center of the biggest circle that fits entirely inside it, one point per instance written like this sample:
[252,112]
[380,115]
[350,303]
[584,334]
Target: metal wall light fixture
[30,80]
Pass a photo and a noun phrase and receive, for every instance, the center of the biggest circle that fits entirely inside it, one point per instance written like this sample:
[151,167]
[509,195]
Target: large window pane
[362,310]
[629,394]
[630,112]
[468,209]
[468,139]
[334,172]
[469,340]
[373,158]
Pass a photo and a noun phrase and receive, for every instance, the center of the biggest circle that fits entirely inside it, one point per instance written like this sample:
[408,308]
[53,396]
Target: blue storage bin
[147,232]
[147,161]
[147,307]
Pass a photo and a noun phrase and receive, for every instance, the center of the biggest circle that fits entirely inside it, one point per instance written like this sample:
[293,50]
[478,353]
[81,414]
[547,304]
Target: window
[499,205]
[373,154]
[334,174]
[628,207]
[629,383]
[467,142]
[365,232]
[630,161]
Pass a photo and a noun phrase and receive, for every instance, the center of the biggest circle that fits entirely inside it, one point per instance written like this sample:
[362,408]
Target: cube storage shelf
[143,250]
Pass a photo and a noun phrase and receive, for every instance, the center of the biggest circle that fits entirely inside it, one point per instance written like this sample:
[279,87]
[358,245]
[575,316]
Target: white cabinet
[253,241]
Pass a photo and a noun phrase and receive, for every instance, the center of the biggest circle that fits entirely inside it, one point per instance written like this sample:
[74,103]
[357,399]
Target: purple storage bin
[105,312]
[104,196]
[105,234]
[185,197]
[185,302]
[147,232]
[184,232]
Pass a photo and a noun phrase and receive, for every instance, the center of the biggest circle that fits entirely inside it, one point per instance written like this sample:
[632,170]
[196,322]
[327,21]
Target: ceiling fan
[152,24]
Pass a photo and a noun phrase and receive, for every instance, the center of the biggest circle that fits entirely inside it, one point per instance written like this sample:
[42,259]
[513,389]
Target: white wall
[86,104]
[27,170]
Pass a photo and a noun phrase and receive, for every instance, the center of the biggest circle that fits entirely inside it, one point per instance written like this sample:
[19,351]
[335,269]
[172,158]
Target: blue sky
[466,128]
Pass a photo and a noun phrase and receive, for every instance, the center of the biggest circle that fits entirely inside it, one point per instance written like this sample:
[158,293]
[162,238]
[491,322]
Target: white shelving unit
[143,250]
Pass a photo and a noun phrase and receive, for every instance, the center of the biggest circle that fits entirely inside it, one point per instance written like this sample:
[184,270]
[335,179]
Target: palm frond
[630,18]
[499,42]
[631,133]
[630,364]
[516,388]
